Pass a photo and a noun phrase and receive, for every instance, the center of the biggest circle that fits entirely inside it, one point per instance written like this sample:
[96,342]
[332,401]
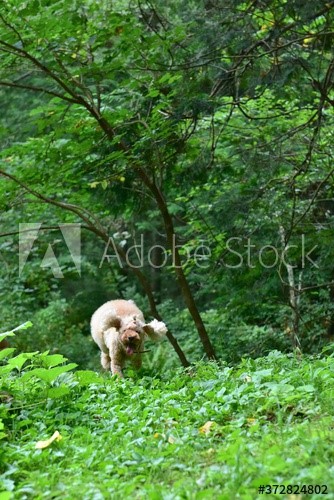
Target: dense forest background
[200,131]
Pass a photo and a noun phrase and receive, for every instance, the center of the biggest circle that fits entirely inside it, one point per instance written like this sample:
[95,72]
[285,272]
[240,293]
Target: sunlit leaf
[40,445]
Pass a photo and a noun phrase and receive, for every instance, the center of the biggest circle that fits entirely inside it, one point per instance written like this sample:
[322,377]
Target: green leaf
[87,377]
[51,360]
[6,334]
[306,388]
[5,495]
[48,375]
[58,392]
[11,333]
[18,361]
[6,352]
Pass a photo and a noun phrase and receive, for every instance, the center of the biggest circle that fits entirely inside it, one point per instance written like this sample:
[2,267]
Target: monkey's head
[131,341]
[131,335]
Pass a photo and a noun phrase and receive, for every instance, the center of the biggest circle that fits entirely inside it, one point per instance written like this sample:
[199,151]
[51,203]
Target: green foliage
[54,330]
[224,108]
[208,431]
[233,338]
[126,117]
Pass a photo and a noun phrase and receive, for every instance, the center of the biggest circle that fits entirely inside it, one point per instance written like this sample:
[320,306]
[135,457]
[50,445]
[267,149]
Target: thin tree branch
[12,28]
[313,198]
[26,55]
[40,89]
[42,228]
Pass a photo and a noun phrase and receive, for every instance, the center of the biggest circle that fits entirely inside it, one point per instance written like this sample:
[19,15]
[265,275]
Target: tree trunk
[294,295]
[182,280]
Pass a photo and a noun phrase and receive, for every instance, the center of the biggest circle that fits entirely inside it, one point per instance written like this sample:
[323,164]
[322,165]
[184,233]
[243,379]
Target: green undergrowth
[208,432]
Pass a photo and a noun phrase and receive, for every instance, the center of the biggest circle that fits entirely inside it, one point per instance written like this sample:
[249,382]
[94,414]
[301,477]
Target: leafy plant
[227,427]
[54,330]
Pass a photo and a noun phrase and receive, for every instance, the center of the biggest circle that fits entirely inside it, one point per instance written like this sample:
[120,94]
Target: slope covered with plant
[209,431]
[201,132]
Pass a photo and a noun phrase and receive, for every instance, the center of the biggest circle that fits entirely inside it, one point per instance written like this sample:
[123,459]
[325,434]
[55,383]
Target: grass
[209,432]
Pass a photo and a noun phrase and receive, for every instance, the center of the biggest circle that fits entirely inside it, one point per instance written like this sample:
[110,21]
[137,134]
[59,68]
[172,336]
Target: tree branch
[26,55]
[40,89]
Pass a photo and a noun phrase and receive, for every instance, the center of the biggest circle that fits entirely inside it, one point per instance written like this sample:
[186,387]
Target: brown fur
[119,329]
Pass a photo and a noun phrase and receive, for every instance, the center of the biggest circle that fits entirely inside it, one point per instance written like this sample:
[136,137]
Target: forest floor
[212,431]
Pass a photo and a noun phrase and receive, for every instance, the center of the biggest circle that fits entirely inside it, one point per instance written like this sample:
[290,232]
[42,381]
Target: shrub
[53,330]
